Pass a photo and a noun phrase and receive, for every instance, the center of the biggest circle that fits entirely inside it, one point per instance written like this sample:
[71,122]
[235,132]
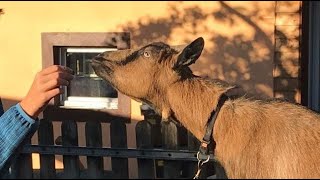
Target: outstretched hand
[45,86]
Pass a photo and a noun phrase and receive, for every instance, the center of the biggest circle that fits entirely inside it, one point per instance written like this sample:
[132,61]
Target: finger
[55,83]
[56,75]
[66,76]
[53,92]
[56,68]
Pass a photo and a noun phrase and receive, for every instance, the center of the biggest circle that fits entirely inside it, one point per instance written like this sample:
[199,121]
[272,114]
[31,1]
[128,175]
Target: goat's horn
[179,48]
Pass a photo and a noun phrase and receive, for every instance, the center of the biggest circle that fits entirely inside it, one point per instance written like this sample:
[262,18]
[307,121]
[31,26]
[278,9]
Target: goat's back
[268,139]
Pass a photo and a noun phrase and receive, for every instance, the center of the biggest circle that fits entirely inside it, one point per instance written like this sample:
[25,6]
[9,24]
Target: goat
[254,138]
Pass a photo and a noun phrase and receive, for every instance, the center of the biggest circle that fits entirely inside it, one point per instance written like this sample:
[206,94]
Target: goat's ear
[190,53]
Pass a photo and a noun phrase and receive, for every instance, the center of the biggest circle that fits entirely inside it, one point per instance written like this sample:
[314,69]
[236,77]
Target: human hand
[45,86]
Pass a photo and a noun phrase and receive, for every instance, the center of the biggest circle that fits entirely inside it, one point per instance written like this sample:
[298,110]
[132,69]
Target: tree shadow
[244,57]
[287,60]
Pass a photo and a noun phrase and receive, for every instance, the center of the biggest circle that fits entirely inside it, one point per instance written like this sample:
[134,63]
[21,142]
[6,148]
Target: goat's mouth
[98,59]
[94,61]
[101,68]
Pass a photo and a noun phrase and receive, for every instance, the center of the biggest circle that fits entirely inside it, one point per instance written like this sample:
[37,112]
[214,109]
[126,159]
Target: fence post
[146,168]
[22,168]
[193,145]
[118,132]
[94,139]
[70,138]
[171,169]
[47,162]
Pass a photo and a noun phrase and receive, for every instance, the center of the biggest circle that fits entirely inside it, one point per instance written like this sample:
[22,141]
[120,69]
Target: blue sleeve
[15,127]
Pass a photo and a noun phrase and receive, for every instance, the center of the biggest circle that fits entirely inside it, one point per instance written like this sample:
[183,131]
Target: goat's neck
[192,101]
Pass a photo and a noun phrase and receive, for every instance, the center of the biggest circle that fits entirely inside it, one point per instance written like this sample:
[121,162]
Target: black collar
[203,153]
[213,116]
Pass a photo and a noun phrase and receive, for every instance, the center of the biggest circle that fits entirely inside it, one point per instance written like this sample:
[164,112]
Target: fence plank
[191,167]
[5,173]
[94,139]
[144,141]
[118,134]
[22,167]
[171,169]
[70,138]
[47,162]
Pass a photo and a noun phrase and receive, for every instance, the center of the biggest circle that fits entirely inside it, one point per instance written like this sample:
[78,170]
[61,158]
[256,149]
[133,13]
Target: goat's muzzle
[101,66]
[98,59]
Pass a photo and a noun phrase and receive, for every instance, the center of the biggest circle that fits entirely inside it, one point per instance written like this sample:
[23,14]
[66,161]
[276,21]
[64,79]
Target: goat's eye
[146,54]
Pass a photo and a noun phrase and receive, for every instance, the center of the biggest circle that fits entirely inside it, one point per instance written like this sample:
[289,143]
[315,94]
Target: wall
[239,41]
[286,70]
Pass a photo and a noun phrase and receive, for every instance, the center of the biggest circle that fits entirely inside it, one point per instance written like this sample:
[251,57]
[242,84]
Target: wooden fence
[164,150]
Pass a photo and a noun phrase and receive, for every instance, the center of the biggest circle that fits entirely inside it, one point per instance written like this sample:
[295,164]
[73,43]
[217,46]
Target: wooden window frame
[120,40]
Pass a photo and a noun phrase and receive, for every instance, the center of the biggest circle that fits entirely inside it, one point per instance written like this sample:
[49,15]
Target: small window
[86,90]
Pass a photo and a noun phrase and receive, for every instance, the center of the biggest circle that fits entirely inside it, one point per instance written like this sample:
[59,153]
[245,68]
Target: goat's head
[142,72]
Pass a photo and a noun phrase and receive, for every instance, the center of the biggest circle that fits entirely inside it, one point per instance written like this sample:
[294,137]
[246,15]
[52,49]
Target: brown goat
[254,138]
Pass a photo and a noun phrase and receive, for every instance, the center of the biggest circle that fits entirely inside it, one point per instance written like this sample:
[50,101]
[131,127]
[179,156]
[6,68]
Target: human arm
[20,121]
[15,126]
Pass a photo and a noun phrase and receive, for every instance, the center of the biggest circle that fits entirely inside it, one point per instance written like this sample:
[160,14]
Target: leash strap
[203,154]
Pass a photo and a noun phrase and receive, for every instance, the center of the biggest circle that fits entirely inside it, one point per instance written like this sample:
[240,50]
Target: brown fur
[254,138]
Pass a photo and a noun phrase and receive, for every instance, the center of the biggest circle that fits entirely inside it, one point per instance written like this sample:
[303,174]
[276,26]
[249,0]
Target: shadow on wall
[239,39]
